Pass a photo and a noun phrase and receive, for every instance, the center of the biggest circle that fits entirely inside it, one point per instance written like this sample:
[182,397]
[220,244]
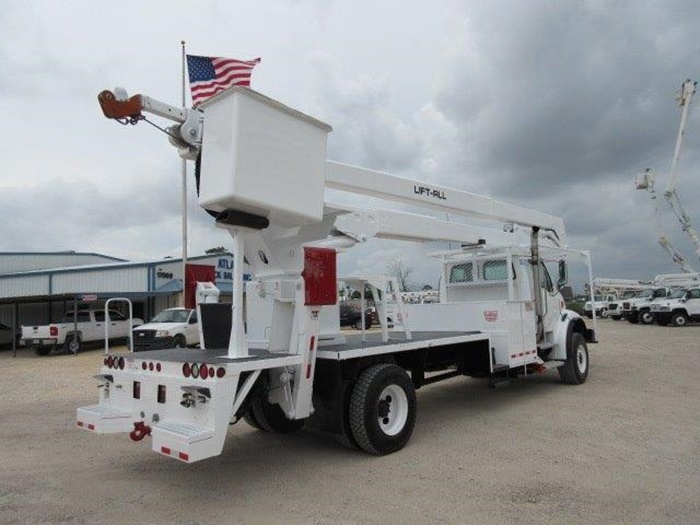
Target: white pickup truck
[171,328]
[89,326]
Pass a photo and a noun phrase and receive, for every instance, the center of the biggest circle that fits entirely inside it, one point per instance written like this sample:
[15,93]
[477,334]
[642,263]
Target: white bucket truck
[263,172]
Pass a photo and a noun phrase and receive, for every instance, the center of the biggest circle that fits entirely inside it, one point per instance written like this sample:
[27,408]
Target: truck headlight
[162,333]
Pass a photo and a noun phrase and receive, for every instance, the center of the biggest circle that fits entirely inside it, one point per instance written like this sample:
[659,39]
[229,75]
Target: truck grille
[612,306]
[625,306]
[144,336]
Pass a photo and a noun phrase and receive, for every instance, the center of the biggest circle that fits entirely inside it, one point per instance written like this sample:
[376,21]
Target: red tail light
[220,372]
[104,361]
[144,365]
[203,372]
[150,366]
[186,370]
[53,331]
[121,363]
[158,367]
[110,361]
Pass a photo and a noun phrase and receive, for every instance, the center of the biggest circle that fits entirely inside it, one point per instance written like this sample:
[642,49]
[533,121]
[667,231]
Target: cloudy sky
[551,105]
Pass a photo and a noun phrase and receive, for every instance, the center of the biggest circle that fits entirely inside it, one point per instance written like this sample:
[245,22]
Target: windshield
[598,297]
[646,294]
[678,294]
[171,316]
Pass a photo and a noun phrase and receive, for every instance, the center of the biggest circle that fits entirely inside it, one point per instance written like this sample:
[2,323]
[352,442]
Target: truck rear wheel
[72,344]
[43,350]
[271,418]
[250,419]
[179,342]
[383,409]
[575,370]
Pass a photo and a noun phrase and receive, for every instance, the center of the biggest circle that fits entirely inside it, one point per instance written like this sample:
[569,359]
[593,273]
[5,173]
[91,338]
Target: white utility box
[262,157]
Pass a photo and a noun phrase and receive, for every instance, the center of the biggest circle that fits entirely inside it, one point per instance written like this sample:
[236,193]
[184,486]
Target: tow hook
[141,430]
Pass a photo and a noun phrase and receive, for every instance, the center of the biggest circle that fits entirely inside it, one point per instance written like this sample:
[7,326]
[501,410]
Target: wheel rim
[581,359]
[647,318]
[392,410]
[680,320]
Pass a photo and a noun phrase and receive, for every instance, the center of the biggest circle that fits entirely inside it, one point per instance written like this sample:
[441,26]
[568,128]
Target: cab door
[192,328]
[692,304]
[551,298]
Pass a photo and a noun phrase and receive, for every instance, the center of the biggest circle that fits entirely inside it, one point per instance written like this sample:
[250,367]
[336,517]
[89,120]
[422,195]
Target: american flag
[211,75]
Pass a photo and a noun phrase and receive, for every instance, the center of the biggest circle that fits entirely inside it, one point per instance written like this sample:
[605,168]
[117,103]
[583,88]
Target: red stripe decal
[91,426]
[311,343]
[80,423]
[308,371]
[165,450]
[183,456]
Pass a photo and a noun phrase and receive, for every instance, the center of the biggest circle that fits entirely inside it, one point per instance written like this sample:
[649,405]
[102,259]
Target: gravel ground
[622,448]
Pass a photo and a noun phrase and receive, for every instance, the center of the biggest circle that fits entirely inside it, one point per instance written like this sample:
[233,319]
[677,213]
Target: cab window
[99,316]
[495,270]
[694,294]
[546,280]
[462,273]
[116,316]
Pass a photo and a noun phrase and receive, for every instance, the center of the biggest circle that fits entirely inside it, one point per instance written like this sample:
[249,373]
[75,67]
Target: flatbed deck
[354,347]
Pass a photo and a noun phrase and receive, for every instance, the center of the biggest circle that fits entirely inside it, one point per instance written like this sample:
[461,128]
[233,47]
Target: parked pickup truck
[90,327]
[172,328]
[638,309]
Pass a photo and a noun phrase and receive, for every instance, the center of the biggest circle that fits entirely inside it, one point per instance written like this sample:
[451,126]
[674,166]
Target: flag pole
[184,190]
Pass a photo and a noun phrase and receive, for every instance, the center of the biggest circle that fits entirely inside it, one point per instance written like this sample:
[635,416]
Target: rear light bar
[53,331]
[202,371]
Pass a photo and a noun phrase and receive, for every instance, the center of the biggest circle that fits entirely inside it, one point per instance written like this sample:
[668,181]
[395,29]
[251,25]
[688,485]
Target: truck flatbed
[354,347]
[373,344]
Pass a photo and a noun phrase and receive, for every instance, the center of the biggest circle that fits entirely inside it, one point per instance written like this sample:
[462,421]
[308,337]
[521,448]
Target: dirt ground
[622,448]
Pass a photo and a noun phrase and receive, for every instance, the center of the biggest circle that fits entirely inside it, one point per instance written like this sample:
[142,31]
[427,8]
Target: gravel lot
[622,448]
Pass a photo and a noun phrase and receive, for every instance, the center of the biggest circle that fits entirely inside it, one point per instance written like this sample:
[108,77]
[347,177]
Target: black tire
[250,419]
[43,350]
[646,317]
[632,318]
[179,342]
[72,345]
[616,317]
[679,319]
[370,401]
[270,417]
[575,370]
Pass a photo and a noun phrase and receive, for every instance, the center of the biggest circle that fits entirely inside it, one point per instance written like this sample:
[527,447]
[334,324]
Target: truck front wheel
[383,409]
[646,317]
[575,370]
[679,319]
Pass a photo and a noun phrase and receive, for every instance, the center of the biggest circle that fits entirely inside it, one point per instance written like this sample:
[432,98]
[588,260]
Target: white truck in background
[600,305]
[682,306]
[73,332]
[171,328]
[262,171]
[638,309]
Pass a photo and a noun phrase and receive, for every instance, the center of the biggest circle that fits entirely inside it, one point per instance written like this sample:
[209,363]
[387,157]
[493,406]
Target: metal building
[38,288]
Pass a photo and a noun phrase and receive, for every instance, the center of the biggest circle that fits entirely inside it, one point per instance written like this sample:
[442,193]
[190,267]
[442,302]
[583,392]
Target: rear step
[499,376]
[102,419]
[183,441]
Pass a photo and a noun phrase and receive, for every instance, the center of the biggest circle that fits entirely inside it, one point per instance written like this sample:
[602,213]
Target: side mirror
[563,274]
